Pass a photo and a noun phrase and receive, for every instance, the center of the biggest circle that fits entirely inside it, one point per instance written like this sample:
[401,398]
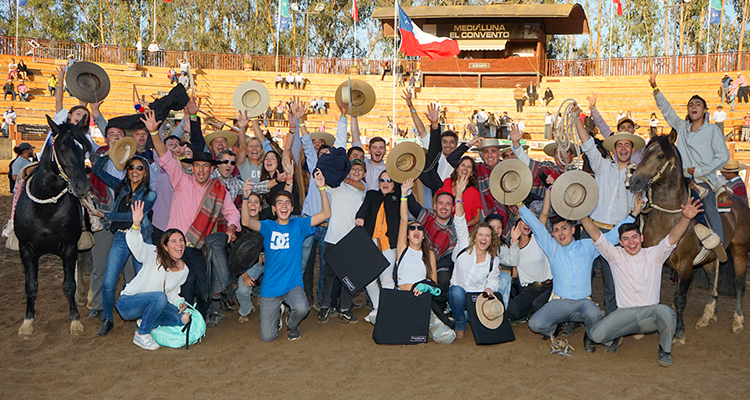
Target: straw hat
[327,137]
[638,142]
[549,149]
[122,151]
[489,142]
[490,311]
[574,195]
[358,94]
[252,97]
[406,160]
[87,82]
[230,136]
[510,181]
[733,166]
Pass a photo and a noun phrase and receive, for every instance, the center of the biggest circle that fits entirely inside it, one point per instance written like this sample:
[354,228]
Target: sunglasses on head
[416,227]
[133,166]
[386,180]
[228,162]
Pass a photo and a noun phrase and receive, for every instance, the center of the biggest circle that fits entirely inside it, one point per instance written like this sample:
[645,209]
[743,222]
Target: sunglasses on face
[386,180]
[136,167]
[416,227]
[229,162]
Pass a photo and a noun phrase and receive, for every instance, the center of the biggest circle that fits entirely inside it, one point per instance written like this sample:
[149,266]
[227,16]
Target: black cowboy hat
[201,156]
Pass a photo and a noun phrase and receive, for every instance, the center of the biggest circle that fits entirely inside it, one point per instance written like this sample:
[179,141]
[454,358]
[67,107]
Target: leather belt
[539,285]
[553,296]
[603,225]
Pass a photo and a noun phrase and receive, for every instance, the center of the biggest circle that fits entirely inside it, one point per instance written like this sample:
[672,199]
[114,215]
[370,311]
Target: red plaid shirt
[489,204]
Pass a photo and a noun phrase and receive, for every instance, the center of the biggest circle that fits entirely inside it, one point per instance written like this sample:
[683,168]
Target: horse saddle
[724,199]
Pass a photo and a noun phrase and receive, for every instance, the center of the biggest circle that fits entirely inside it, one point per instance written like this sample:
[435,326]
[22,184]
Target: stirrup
[710,240]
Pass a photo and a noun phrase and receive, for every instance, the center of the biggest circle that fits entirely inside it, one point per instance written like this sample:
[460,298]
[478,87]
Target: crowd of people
[170,219]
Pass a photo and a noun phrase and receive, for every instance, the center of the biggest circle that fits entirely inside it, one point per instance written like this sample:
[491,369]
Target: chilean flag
[355,13]
[414,42]
[619,6]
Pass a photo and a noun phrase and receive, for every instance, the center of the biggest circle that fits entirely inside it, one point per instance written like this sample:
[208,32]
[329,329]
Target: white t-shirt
[12,66]
[10,117]
[533,265]
[720,116]
[153,47]
[345,202]
[481,117]
[549,119]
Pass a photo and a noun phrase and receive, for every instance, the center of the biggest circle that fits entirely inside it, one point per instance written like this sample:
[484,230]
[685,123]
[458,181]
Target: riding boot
[107,326]
[711,241]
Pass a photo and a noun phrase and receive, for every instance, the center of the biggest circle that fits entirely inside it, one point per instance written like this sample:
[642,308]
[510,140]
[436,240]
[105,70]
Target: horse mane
[668,148]
[77,134]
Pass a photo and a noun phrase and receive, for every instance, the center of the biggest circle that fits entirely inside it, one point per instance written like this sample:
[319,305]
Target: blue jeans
[319,236]
[244,293]
[457,300]
[270,312]
[23,96]
[557,311]
[119,253]
[152,307]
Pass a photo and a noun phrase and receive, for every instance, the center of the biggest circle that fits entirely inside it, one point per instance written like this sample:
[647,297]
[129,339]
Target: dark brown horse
[660,175]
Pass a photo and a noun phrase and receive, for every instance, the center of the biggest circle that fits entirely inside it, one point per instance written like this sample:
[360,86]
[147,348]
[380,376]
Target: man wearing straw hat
[610,177]
[731,171]
[570,259]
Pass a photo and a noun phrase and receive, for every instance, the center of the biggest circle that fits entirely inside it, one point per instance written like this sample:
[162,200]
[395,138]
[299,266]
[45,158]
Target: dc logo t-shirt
[283,247]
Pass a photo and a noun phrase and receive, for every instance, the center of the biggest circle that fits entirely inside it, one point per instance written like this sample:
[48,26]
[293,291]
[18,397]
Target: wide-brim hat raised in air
[574,195]
[358,94]
[252,97]
[405,161]
[87,82]
[510,181]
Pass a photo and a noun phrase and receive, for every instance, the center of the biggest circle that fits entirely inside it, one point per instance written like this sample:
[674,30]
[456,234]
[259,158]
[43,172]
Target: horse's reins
[649,203]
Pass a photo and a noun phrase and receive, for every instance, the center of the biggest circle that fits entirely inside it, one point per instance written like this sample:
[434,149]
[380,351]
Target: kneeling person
[637,275]
[282,280]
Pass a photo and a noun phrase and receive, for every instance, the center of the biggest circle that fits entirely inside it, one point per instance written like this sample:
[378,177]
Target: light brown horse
[660,175]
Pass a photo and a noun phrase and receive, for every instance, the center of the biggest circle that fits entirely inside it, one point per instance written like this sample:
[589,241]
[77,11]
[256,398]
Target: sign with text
[490,31]
[32,132]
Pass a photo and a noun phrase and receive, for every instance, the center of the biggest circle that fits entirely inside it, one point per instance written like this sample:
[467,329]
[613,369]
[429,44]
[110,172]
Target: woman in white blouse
[475,268]
[153,296]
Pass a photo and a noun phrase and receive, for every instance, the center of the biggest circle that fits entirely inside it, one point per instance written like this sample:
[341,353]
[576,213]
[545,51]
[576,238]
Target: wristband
[459,200]
[520,203]
[194,116]
[277,179]
[289,179]
[138,228]
[413,111]
[322,188]
[631,214]
[655,89]
[404,198]
[302,124]
[245,198]
[254,119]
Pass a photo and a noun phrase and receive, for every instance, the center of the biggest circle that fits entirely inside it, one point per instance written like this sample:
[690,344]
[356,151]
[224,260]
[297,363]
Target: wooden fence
[687,64]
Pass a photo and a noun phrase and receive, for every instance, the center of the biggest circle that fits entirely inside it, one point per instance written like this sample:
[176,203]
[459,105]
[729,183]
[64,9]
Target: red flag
[355,14]
[168,1]
[619,6]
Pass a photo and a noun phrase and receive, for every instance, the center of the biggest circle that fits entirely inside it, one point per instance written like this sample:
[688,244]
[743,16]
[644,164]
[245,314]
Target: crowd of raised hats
[229,220]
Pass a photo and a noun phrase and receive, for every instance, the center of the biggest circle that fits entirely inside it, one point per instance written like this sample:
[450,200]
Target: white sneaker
[8,228]
[371,317]
[145,341]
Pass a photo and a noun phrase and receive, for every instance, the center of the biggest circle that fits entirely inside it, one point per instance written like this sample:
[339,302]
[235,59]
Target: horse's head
[69,148]
[660,157]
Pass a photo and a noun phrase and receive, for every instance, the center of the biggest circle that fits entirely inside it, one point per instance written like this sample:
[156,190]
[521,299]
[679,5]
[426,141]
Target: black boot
[107,326]
[588,344]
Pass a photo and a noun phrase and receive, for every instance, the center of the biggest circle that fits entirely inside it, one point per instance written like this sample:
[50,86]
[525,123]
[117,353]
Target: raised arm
[591,228]
[689,211]
[152,125]
[404,223]
[598,120]
[414,114]
[242,122]
[546,203]
[515,136]
[666,109]
[325,213]
[197,142]
[60,85]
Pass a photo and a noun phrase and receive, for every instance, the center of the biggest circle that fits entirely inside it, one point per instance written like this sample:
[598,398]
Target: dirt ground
[341,361]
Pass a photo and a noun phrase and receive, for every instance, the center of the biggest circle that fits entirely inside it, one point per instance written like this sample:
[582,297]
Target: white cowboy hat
[359,95]
[510,181]
[490,311]
[733,166]
[405,161]
[574,195]
[122,151]
[252,97]
[489,142]
[638,142]
[327,137]
[230,136]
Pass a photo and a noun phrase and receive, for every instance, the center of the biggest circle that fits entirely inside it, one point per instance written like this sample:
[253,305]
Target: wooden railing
[52,49]
[687,64]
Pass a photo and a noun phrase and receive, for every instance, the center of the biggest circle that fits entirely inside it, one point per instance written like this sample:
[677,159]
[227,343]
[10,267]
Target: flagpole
[708,33]
[278,28]
[609,50]
[393,70]
[17,7]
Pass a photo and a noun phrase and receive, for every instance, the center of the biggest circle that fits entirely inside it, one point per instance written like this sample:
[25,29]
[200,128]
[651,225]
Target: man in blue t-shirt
[282,278]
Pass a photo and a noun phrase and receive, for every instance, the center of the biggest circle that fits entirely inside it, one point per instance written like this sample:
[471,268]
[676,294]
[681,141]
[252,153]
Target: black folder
[402,317]
[356,260]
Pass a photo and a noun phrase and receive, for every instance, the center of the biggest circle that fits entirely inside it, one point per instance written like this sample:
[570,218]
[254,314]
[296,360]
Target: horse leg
[680,300]
[69,256]
[740,268]
[709,312]
[80,291]
[30,262]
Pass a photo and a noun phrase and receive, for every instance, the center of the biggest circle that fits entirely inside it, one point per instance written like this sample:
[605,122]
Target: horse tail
[727,277]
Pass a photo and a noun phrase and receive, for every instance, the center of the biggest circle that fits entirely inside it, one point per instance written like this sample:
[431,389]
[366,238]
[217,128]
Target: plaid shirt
[233,185]
[442,238]
[738,187]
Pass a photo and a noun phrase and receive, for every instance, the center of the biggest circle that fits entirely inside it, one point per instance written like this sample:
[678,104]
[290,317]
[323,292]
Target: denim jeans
[632,320]
[457,300]
[152,307]
[318,236]
[712,213]
[119,254]
[23,96]
[100,253]
[244,293]
[270,312]
[557,311]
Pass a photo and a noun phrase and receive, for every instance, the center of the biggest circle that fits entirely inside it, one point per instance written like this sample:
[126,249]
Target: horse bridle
[61,174]
[665,169]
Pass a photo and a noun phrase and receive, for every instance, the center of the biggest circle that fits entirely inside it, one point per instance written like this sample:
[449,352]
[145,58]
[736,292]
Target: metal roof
[559,19]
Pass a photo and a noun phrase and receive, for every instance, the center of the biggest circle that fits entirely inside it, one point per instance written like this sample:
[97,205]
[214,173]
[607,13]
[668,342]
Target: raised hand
[193,106]
[407,98]
[343,107]
[406,186]
[137,210]
[476,141]
[61,75]
[95,107]
[515,234]
[638,204]
[297,108]
[652,79]
[515,134]
[692,208]
[320,179]
[592,100]
[151,123]
[286,162]
[472,128]
[550,181]
[461,184]
[247,188]
[432,113]
[243,120]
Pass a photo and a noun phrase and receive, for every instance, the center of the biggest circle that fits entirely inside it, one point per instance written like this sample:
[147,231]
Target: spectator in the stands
[23,70]
[184,80]
[52,84]
[23,91]
[153,53]
[289,80]
[548,96]
[742,85]
[279,80]
[9,89]
[172,75]
[9,118]
[12,69]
